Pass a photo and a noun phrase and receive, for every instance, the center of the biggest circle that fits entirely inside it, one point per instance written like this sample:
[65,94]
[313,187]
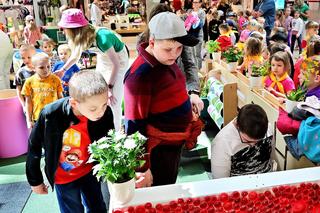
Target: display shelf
[167,193]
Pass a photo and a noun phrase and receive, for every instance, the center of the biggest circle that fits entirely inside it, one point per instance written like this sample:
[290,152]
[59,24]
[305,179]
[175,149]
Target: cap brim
[187,40]
[72,25]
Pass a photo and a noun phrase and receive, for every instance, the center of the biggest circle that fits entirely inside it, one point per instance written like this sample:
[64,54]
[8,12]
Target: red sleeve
[297,72]
[287,125]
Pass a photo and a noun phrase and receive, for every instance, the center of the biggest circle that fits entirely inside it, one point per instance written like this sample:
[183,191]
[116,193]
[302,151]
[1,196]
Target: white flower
[129,144]
[141,137]
[101,140]
[119,136]
[103,146]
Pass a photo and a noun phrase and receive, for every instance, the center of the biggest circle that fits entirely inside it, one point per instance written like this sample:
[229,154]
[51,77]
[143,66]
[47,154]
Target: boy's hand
[59,73]
[144,179]
[40,189]
[196,103]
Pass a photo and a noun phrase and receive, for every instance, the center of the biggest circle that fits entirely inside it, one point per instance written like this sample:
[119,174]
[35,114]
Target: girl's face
[47,47]
[64,55]
[296,15]
[287,11]
[278,68]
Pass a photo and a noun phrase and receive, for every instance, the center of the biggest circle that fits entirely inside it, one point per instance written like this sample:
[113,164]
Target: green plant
[232,54]
[297,95]
[260,70]
[117,156]
[213,46]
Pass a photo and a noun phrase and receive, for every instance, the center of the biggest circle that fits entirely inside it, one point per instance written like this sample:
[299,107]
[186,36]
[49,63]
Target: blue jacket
[48,131]
[268,10]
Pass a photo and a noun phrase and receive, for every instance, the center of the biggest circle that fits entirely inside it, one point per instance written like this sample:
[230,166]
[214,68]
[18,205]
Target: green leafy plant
[117,156]
[204,88]
[260,70]
[297,95]
[232,54]
[213,46]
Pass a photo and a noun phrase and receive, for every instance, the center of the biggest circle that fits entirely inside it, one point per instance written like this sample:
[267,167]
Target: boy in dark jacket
[65,129]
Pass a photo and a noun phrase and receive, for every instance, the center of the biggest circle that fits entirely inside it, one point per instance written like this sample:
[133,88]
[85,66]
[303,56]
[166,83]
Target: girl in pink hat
[112,58]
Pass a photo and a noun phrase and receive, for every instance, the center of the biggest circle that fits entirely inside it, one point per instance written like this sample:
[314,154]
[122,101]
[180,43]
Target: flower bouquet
[117,156]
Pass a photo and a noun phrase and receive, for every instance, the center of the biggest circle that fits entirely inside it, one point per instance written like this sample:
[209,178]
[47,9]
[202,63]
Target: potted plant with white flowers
[117,156]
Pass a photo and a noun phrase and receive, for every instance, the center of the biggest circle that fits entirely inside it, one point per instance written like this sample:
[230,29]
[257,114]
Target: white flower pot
[256,82]
[290,105]
[121,193]
[216,56]
[232,66]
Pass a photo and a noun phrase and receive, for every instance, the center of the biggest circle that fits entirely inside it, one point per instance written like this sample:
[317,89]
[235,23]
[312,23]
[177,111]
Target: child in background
[47,46]
[287,23]
[65,129]
[297,30]
[224,37]
[279,19]
[252,55]
[96,14]
[31,32]
[241,21]
[40,89]
[244,146]
[214,24]
[312,49]
[64,52]
[279,82]
[26,51]
[312,29]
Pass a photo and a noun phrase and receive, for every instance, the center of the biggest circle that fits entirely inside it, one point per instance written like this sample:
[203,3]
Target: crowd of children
[156,101]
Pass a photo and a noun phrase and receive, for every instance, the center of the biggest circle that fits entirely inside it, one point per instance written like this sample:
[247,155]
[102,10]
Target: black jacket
[48,131]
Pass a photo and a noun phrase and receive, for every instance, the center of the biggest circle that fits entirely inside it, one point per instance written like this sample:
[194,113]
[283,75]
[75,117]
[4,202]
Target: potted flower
[232,55]
[213,47]
[294,97]
[257,72]
[116,157]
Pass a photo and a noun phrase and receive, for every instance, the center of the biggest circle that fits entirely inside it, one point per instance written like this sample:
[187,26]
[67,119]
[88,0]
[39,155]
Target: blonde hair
[64,47]
[311,25]
[81,36]
[284,57]
[39,57]
[27,47]
[253,47]
[85,84]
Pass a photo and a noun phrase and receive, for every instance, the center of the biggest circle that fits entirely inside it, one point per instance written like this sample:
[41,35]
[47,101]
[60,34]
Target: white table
[162,194]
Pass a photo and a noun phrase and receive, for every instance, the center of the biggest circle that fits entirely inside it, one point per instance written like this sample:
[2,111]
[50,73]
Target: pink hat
[72,18]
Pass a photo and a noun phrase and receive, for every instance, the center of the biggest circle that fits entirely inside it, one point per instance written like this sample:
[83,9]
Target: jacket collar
[67,110]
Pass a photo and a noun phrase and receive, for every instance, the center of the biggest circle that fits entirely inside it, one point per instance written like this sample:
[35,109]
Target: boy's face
[93,107]
[64,55]
[26,57]
[42,68]
[47,47]
[165,51]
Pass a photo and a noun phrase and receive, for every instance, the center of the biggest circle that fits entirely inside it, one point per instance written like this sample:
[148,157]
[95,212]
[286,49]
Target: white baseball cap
[167,25]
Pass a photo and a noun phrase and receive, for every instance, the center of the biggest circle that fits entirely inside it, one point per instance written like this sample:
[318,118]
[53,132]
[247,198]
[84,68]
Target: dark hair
[276,47]
[313,48]
[279,36]
[252,120]
[159,8]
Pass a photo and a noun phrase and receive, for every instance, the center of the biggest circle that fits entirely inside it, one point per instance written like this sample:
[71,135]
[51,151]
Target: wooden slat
[230,102]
